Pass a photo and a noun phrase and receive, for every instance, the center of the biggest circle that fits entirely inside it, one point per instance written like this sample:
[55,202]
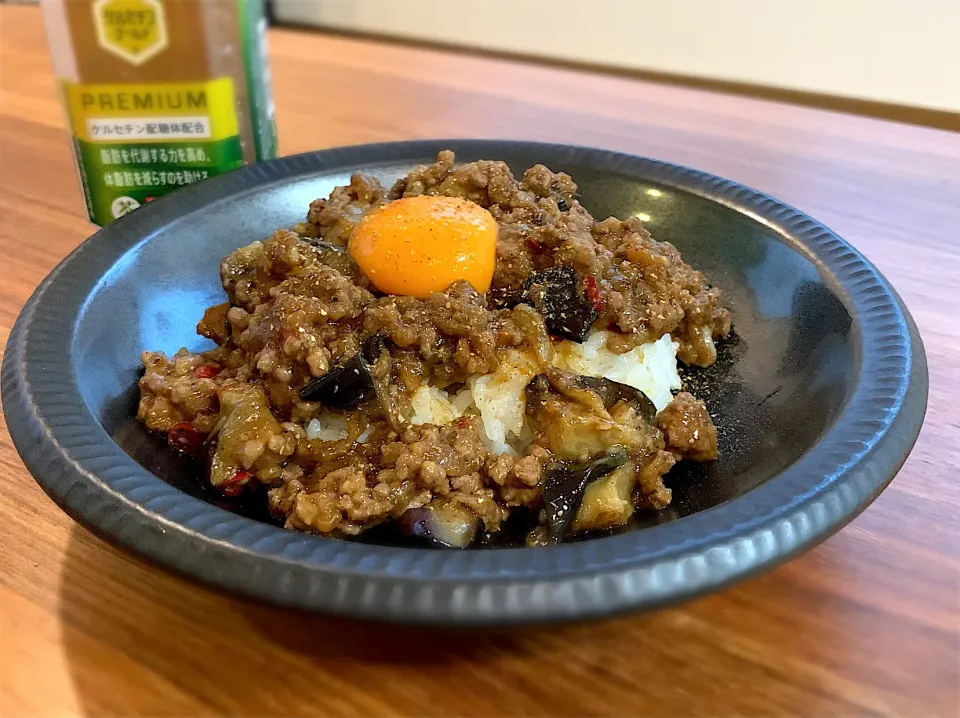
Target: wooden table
[865,624]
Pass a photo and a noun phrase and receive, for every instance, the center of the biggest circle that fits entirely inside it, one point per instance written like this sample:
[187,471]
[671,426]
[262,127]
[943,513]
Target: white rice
[430,405]
[499,397]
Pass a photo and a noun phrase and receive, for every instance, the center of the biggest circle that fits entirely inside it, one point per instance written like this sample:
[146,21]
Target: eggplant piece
[343,387]
[608,501]
[350,384]
[245,416]
[441,526]
[611,392]
[564,487]
[537,392]
[572,422]
[556,293]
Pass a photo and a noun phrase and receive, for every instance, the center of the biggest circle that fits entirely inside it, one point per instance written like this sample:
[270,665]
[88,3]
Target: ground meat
[651,491]
[249,273]
[298,306]
[334,218]
[350,488]
[519,478]
[453,333]
[688,428]
[171,392]
[654,292]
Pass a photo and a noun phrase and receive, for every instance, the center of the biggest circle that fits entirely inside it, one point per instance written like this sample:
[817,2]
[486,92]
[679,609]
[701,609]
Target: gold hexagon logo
[134,30]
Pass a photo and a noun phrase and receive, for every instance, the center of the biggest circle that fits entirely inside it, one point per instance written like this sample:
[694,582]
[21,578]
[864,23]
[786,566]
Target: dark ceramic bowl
[819,397]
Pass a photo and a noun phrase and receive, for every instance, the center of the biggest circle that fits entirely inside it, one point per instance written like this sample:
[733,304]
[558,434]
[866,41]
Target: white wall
[905,52]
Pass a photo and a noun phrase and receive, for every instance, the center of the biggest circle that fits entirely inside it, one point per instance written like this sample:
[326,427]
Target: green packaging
[160,94]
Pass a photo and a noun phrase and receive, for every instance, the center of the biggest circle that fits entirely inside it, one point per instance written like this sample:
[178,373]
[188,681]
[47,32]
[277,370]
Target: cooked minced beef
[297,307]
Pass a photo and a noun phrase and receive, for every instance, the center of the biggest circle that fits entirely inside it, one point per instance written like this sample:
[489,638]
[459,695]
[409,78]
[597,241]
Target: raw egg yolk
[419,245]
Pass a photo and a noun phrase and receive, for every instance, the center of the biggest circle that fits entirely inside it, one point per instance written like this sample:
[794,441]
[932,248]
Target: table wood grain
[865,624]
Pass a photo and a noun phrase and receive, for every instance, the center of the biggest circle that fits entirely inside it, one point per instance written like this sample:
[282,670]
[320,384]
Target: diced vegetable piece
[607,502]
[214,324]
[441,525]
[184,437]
[343,387]
[350,384]
[206,371]
[557,294]
[611,392]
[592,292]
[574,424]
[563,489]
[246,423]
[236,483]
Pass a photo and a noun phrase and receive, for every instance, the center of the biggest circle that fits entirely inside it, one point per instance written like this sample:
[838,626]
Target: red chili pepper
[185,437]
[234,485]
[533,244]
[592,293]
[206,371]
[462,422]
